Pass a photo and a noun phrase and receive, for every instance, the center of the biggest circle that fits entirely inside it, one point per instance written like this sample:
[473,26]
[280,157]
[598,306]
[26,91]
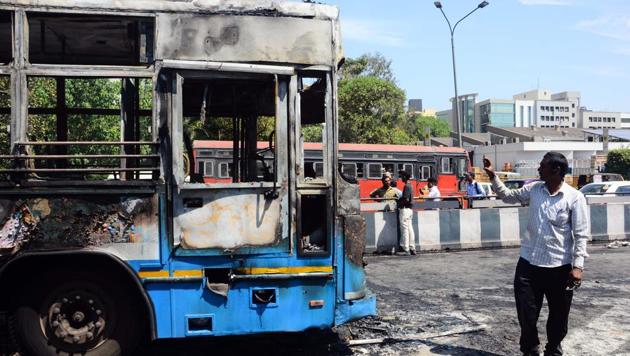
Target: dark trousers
[531,283]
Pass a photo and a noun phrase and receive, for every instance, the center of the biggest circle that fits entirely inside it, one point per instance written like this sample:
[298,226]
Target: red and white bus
[364,162]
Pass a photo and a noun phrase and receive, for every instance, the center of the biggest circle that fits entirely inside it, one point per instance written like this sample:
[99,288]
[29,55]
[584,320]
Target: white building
[541,108]
[525,156]
[600,119]
[624,119]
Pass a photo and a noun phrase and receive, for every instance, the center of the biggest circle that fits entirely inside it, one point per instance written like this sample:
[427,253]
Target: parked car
[487,188]
[606,188]
[598,178]
[519,183]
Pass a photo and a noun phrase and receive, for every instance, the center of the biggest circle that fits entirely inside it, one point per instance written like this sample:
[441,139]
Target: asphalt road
[422,296]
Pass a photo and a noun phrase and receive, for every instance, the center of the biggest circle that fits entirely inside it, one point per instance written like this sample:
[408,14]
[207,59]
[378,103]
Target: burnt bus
[109,238]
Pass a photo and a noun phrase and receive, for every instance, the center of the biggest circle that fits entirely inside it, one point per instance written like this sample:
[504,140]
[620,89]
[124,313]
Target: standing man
[552,251]
[405,203]
[385,191]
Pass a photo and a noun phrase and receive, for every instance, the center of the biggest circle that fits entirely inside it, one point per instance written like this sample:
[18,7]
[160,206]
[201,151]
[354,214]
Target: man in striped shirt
[552,251]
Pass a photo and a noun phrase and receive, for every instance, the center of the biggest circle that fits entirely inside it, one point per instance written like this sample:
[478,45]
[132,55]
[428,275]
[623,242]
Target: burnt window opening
[5,119]
[312,89]
[75,128]
[313,224]
[229,121]
[6,50]
[90,39]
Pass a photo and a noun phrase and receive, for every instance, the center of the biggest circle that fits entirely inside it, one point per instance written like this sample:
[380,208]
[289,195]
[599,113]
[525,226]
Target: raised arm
[510,196]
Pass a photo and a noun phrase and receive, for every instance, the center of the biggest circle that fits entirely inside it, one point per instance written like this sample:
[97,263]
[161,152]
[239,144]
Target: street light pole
[458,119]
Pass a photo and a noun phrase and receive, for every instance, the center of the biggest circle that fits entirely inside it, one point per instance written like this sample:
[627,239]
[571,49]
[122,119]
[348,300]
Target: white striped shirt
[558,225]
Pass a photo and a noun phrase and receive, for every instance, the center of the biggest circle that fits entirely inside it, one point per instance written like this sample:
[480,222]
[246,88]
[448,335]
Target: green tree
[618,161]
[437,127]
[370,65]
[371,110]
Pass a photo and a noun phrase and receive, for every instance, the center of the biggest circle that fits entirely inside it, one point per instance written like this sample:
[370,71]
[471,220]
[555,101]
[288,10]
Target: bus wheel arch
[76,301]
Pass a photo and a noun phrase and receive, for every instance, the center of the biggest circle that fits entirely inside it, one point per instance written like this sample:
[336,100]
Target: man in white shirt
[434,192]
[552,251]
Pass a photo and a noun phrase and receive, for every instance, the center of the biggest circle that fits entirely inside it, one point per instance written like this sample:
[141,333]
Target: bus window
[236,107]
[375,170]
[225,170]
[208,169]
[312,87]
[319,169]
[461,167]
[349,169]
[407,167]
[388,167]
[425,172]
[446,165]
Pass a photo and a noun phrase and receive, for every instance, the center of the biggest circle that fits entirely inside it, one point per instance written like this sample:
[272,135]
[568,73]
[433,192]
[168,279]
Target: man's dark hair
[471,174]
[432,180]
[404,175]
[557,161]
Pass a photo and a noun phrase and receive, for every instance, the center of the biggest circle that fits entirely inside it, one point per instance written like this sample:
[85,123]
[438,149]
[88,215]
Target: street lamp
[452,28]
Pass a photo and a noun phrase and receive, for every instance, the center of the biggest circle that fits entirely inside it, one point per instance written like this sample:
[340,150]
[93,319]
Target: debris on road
[418,337]
[617,244]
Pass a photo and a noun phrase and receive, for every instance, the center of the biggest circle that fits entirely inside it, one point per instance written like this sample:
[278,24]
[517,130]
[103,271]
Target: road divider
[481,228]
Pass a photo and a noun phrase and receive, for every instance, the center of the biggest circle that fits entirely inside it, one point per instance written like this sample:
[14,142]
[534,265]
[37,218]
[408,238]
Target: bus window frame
[369,175]
[422,176]
[282,112]
[227,169]
[449,169]
[351,164]
[324,182]
[207,162]
[411,173]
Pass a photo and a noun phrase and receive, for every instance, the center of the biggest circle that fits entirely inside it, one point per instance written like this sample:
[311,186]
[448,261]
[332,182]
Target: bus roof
[367,147]
[282,8]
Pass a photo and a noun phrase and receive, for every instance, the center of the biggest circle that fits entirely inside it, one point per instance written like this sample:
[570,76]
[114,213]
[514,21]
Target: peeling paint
[41,223]
[354,234]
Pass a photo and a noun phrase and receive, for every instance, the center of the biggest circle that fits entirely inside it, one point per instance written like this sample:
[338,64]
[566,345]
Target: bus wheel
[76,317]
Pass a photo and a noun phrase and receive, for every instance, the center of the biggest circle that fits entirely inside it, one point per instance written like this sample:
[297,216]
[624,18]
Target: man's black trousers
[531,283]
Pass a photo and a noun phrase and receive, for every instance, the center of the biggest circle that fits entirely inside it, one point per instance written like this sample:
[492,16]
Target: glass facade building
[495,113]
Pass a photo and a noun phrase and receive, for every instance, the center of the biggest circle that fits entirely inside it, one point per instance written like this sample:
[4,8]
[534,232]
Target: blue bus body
[267,250]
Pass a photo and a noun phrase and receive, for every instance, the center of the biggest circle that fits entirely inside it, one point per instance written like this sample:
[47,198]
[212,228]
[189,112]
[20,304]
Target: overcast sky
[508,47]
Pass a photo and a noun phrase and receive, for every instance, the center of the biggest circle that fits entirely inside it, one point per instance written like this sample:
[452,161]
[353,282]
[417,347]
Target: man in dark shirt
[405,203]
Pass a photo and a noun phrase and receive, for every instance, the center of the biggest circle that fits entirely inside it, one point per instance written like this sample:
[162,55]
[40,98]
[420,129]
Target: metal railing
[130,165]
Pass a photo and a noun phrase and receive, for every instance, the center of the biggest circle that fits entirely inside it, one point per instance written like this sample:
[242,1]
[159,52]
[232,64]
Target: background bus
[364,162]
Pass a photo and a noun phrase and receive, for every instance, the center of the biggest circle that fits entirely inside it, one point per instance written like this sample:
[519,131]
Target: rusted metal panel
[228,219]
[244,39]
[99,221]
[354,235]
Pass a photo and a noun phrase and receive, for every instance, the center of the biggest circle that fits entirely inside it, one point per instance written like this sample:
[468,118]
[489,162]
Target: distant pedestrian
[405,214]
[473,189]
[434,192]
[385,191]
[552,251]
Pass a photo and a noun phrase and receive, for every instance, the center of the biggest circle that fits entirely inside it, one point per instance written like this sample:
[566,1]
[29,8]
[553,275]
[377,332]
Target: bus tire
[76,316]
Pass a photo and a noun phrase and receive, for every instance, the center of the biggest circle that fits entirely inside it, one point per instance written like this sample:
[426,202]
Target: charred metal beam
[89,71]
[61,115]
[85,143]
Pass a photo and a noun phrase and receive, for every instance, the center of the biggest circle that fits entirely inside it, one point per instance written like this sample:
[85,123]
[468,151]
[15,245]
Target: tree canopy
[618,161]
[372,106]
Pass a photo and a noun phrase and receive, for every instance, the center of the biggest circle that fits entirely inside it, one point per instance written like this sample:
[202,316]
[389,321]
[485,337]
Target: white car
[606,188]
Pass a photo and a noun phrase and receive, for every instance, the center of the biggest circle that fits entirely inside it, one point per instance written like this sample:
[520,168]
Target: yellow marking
[188,273]
[153,274]
[285,270]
